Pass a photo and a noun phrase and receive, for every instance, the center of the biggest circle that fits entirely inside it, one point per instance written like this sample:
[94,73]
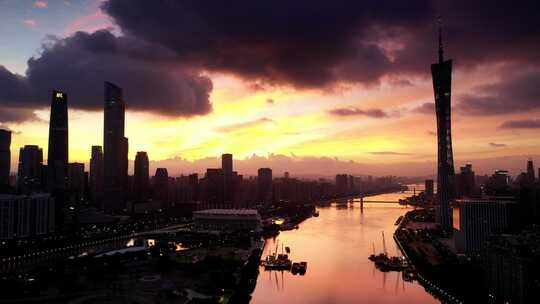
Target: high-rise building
[5,157]
[96,176]
[530,171]
[141,176]
[465,181]
[442,84]
[228,180]
[478,219]
[76,181]
[115,149]
[161,187]
[57,156]
[341,184]
[264,185]
[26,215]
[29,171]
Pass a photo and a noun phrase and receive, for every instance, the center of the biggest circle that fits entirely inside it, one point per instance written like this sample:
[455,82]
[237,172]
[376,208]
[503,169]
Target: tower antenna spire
[441,51]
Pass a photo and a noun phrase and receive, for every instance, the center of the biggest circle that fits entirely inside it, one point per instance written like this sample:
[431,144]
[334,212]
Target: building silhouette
[57,155]
[141,176]
[442,83]
[29,171]
[161,187]
[228,181]
[530,171]
[96,176]
[264,185]
[465,182]
[5,158]
[429,189]
[76,182]
[115,149]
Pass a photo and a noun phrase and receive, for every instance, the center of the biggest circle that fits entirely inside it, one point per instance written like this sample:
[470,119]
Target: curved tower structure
[442,83]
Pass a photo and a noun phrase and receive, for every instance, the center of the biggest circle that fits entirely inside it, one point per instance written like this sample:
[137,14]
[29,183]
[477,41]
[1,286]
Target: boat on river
[386,263]
[275,261]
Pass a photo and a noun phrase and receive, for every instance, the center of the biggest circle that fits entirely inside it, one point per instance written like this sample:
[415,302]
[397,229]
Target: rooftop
[228,212]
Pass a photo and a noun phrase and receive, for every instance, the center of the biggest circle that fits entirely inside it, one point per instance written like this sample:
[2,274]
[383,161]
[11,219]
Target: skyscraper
[442,83]
[161,187]
[76,181]
[5,157]
[141,176]
[96,175]
[228,181]
[29,171]
[115,147]
[264,185]
[57,156]
[530,171]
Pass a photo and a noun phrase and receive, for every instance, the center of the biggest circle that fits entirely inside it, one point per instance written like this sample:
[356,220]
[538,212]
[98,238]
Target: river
[336,246]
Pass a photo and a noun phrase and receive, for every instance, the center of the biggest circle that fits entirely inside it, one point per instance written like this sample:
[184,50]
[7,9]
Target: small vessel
[275,261]
[315,213]
[287,250]
[295,268]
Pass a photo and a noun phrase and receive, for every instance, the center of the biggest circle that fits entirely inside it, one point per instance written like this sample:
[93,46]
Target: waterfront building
[96,175]
[341,184]
[29,174]
[141,176]
[228,220]
[115,149]
[26,215]
[161,187]
[5,158]
[442,82]
[264,185]
[477,219]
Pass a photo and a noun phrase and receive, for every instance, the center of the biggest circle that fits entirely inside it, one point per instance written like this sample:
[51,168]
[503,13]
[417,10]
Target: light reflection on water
[336,246]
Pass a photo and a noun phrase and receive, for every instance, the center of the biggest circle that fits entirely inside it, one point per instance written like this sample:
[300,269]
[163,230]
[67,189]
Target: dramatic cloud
[29,22]
[496,145]
[425,108]
[41,4]
[314,43]
[14,115]
[244,125]
[518,92]
[388,153]
[154,79]
[373,113]
[521,124]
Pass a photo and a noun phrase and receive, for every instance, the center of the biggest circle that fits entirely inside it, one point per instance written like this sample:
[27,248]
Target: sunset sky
[314,87]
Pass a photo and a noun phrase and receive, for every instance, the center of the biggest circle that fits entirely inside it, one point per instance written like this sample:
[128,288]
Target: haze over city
[204,79]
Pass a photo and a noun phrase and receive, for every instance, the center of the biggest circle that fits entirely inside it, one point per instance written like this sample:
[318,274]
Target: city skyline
[384,123]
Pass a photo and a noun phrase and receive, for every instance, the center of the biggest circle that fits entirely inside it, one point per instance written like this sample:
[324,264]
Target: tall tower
[442,83]
[57,156]
[5,157]
[29,171]
[141,176]
[115,147]
[96,175]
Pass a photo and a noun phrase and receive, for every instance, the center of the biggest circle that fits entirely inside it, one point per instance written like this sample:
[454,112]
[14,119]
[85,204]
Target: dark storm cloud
[153,78]
[521,124]
[300,43]
[314,43]
[373,113]
[496,145]
[518,92]
[16,115]
[388,153]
